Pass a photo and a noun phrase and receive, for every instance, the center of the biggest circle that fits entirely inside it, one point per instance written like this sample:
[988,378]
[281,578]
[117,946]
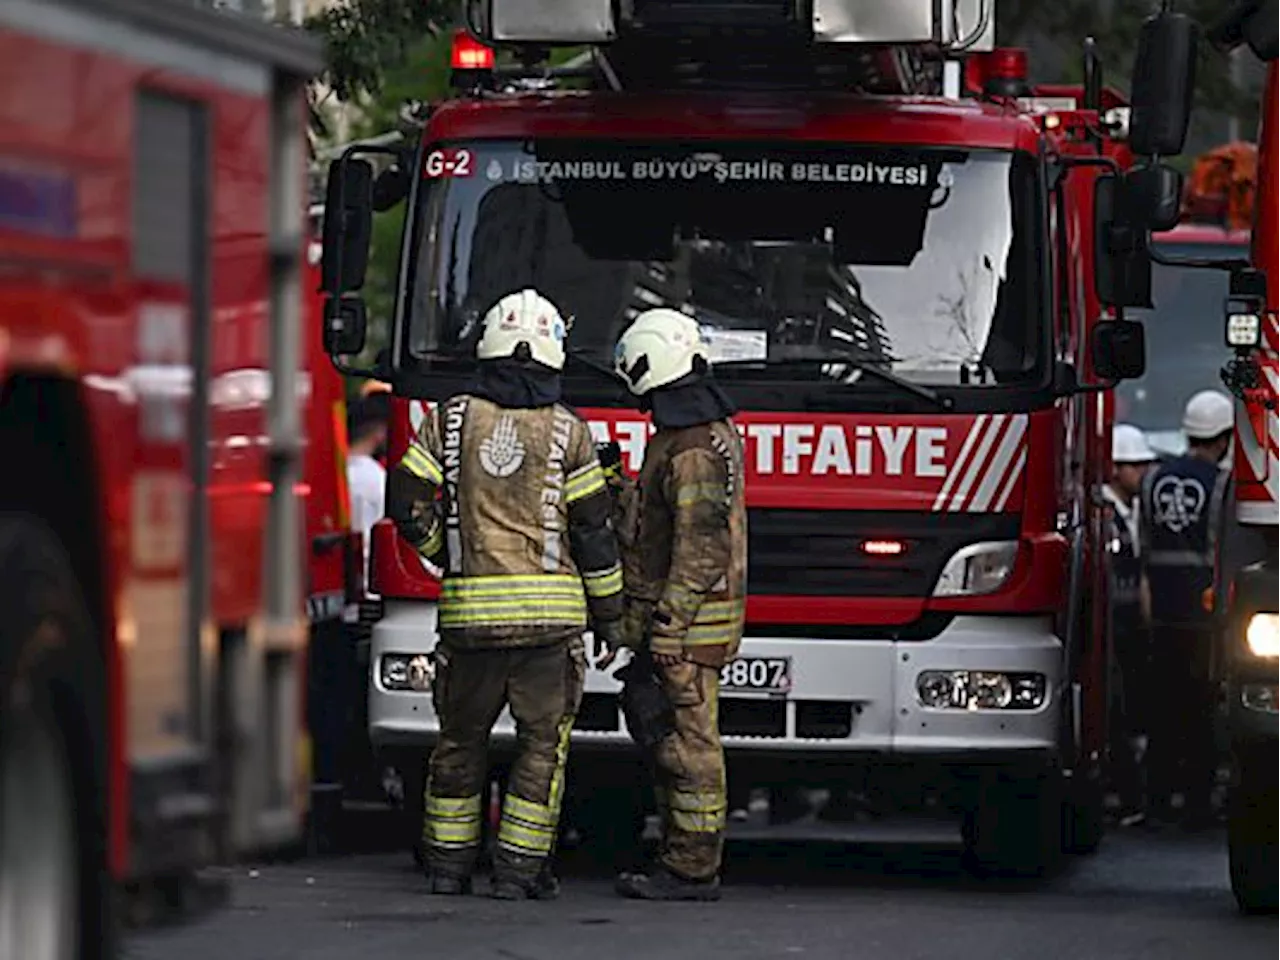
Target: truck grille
[817,553]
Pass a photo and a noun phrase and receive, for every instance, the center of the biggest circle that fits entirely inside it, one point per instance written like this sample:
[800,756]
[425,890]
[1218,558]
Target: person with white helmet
[1184,509]
[1131,458]
[685,584]
[503,491]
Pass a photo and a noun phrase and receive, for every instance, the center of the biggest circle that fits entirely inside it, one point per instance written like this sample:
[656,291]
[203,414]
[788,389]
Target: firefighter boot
[447,885]
[662,884]
[546,886]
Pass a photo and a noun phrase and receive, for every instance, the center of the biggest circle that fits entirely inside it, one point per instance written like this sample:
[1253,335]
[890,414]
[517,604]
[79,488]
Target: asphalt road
[811,891]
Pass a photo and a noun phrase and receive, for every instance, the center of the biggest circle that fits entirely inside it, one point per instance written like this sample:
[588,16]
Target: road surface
[858,894]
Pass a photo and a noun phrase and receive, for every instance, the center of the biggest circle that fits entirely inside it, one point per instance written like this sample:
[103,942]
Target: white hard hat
[1207,415]
[524,317]
[659,348]
[1129,445]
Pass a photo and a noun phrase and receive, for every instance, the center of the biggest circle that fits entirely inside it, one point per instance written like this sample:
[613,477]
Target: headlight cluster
[1263,635]
[407,671]
[980,690]
[977,569]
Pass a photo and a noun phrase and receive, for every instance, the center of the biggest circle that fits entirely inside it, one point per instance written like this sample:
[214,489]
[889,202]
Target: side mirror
[348,225]
[1121,260]
[1119,350]
[346,326]
[1164,76]
[1154,194]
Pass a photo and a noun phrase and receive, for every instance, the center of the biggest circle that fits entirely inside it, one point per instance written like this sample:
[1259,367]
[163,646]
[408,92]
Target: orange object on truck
[152,167]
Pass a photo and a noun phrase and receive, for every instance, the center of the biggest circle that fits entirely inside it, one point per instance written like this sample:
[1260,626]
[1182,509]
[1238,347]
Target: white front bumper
[875,679]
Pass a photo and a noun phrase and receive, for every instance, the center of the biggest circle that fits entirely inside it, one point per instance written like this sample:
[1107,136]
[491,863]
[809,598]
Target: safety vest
[1182,505]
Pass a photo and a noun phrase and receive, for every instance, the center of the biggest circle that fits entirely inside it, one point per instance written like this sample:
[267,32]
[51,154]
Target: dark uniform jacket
[1183,506]
[511,503]
[684,542]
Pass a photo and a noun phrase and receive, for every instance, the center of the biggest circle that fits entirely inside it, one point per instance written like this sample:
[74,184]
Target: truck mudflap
[983,686]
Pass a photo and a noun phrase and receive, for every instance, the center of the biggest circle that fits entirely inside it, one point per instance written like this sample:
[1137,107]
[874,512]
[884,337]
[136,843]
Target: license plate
[766,675]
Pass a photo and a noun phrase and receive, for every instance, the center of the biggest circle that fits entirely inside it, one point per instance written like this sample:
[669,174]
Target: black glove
[645,705]
[607,635]
[610,457]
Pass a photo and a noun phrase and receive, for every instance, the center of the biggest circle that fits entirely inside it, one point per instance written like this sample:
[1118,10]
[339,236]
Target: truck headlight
[977,569]
[407,671]
[980,690]
[1263,635]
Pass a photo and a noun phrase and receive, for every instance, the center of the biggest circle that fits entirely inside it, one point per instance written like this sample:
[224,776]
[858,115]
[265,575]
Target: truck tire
[53,841]
[1013,826]
[1251,846]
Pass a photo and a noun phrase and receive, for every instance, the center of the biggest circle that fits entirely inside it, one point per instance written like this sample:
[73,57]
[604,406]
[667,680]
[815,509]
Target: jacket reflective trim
[500,601]
[692,493]
[603,583]
[583,482]
[422,465]
[452,823]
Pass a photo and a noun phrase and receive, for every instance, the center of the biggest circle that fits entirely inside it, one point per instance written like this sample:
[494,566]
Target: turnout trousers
[689,774]
[543,687]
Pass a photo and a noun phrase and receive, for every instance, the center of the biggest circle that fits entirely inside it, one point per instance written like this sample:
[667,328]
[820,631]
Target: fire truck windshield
[1185,351]
[794,257]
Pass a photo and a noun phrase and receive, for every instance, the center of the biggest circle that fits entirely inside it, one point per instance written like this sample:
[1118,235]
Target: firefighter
[1131,458]
[503,491]
[685,574]
[1183,509]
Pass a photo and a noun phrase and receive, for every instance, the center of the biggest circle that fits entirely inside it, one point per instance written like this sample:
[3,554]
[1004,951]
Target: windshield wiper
[876,370]
[585,360]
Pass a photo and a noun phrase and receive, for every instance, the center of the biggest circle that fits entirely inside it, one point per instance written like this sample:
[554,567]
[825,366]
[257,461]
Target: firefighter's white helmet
[1208,414]
[524,317]
[1129,445]
[660,347]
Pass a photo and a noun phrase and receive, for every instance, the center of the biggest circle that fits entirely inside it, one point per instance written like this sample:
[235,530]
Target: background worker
[685,575]
[1183,508]
[1131,458]
[522,531]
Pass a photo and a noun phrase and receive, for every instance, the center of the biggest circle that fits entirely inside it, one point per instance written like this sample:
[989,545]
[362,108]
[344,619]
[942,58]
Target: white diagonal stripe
[995,474]
[417,414]
[1012,481]
[979,459]
[959,463]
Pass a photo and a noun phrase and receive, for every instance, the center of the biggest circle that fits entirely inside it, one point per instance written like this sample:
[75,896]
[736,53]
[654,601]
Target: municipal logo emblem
[1178,501]
[502,453]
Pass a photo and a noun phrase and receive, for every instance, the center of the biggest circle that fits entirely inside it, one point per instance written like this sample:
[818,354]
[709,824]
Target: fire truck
[911,274]
[1247,583]
[1184,352]
[151,229]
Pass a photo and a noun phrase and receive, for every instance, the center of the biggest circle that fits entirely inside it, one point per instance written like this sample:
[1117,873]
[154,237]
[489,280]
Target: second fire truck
[900,255]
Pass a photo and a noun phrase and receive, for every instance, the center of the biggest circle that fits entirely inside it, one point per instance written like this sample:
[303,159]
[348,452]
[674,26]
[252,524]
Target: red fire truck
[152,163]
[892,245]
[1248,579]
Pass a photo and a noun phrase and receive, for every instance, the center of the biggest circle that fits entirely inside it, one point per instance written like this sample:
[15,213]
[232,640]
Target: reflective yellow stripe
[471,613]
[697,812]
[434,542]
[603,583]
[525,840]
[583,482]
[692,493]
[535,585]
[452,823]
[422,465]
[533,814]
[709,635]
[719,611]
